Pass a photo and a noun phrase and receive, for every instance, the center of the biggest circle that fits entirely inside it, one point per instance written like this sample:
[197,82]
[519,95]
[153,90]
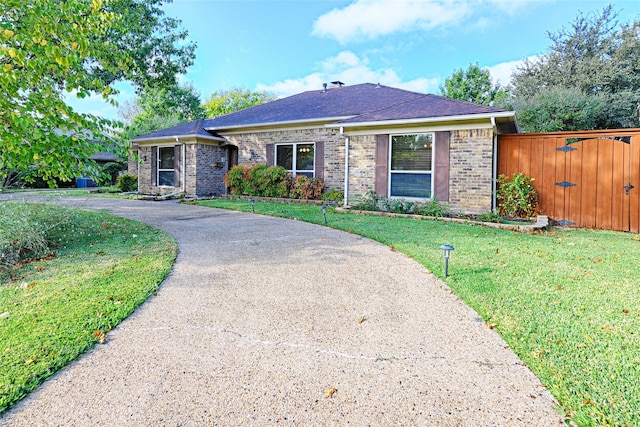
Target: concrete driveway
[262,319]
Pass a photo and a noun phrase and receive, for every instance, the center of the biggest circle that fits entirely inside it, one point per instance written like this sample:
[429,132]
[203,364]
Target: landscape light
[253,202]
[446,253]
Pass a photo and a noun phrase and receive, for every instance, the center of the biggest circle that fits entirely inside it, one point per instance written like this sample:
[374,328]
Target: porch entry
[584,179]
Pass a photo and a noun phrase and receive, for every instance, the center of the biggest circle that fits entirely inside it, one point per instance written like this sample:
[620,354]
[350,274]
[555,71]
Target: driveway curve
[267,321]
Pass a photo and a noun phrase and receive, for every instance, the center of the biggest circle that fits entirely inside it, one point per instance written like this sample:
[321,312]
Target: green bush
[127,183]
[517,198]
[110,173]
[433,208]
[490,217]
[25,231]
[368,202]
[396,205]
[259,181]
[333,195]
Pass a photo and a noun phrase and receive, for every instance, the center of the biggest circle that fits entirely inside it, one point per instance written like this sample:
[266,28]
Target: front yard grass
[54,309]
[566,301]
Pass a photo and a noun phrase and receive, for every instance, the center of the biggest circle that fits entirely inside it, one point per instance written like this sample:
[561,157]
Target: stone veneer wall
[144,171]
[333,149]
[210,171]
[203,174]
[362,165]
[471,170]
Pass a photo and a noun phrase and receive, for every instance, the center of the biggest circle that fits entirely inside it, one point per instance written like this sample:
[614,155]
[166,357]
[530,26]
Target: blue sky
[289,46]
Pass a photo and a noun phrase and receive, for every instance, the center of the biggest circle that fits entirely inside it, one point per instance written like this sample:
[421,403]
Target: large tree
[227,101]
[51,48]
[588,79]
[156,109]
[473,85]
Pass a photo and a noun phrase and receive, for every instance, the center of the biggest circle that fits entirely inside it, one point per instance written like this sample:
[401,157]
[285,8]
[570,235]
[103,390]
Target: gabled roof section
[425,106]
[330,105]
[183,130]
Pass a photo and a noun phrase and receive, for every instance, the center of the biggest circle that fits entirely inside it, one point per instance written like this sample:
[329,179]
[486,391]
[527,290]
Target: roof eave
[276,124]
[499,114]
[188,136]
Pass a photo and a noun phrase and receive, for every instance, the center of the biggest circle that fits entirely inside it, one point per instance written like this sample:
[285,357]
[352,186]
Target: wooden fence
[585,179]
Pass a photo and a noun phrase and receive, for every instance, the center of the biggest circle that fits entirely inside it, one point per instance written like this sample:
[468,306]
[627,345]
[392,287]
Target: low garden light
[446,253]
[324,213]
[253,204]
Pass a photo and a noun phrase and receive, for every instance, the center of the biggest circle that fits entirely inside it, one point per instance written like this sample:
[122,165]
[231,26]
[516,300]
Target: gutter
[491,116]
[168,137]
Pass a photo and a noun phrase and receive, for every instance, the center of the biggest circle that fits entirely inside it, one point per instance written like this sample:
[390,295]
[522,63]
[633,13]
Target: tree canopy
[588,79]
[473,85]
[227,101]
[51,48]
[161,108]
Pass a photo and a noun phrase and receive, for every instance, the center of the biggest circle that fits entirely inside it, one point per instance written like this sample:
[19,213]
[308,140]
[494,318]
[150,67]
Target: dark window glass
[304,157]
[411,185]
[166,158]
[411,152]
[284,156]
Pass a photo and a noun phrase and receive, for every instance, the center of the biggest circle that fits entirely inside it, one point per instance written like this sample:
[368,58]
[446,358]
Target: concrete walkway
[262,318]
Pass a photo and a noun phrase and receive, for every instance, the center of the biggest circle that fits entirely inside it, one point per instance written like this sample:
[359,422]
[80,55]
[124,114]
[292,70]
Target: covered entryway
[584,179]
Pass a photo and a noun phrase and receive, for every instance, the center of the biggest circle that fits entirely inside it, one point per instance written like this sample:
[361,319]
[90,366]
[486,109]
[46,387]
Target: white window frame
[158,170]
[294,171]
[429,172]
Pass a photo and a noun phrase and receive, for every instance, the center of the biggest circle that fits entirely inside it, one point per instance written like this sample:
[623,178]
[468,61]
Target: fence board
[600,168]
[634,193]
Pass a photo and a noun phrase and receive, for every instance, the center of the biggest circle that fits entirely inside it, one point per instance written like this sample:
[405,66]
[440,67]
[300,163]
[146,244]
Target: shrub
[333,195]
[396,205]
[259,180]
[517,197]
[368,202]
[490,217]
[110,172]
[127,183]
[433,208]
[25,231]
[303,187]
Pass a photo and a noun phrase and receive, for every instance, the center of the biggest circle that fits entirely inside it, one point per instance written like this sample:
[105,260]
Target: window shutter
[177,165]
[154,166]
[319,159]
[269,154]
[441,166]
[382,165]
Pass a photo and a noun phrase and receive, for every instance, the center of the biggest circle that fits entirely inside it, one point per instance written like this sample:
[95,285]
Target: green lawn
[54,309]
[566,301]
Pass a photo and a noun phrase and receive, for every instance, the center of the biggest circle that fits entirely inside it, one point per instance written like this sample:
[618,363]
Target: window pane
[165,178]
[304,157]
[411,152]
[411,185]
[284,156]
[165,155]
[307,174]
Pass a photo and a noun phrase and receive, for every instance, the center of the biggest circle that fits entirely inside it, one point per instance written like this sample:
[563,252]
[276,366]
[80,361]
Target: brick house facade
[399,144]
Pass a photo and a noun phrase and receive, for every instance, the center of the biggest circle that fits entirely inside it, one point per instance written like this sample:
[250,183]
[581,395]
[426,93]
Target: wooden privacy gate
[585,179]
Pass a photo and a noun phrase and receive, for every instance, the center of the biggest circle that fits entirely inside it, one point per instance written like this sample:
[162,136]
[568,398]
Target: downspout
[138,167]
[184,169]
[346,167]
[495,166]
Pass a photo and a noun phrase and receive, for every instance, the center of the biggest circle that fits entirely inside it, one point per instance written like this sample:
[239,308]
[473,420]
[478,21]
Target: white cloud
[502,72]
[347,67]
[369,19]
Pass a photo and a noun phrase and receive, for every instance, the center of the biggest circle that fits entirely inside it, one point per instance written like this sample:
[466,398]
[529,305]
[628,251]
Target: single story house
[357,138]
